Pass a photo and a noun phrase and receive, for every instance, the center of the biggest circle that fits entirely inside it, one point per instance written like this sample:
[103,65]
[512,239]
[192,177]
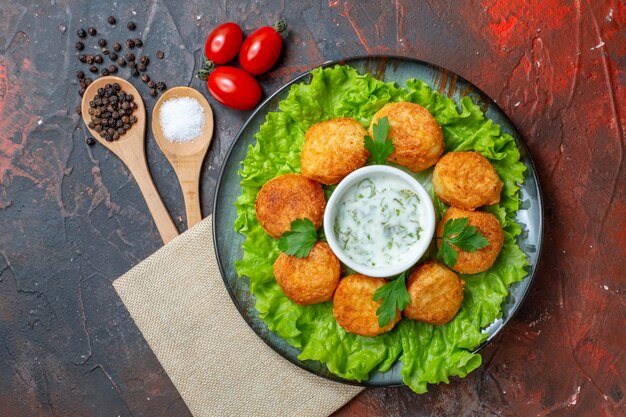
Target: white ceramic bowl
[428,226]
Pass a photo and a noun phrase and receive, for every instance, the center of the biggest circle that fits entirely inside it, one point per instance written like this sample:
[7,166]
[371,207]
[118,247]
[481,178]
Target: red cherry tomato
[261,49]
[223,43]
[234,88]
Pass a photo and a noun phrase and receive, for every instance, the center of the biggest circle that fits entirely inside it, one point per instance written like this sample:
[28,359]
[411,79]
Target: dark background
[72,218]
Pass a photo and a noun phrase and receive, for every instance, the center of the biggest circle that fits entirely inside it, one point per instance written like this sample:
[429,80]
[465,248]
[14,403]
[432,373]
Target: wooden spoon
[130,148]
[186,157]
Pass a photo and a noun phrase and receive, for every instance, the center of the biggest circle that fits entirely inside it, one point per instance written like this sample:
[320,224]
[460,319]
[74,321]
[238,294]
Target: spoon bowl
[130,148]
[186,157]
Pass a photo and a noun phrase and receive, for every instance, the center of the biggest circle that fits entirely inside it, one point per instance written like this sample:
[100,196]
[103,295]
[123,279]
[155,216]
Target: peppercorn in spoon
[182,124]
[115,115]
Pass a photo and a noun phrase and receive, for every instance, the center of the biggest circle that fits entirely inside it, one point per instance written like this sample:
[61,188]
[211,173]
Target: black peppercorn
[104,72]
[134,72]
[90,141]
[112,69]
[79,46]
[116,46]
[108,137]
[102,42]
[153,92]
[105,51]
[130,56]
[151,84]
[130,43]
[145,78]
[131,26]
[92,31]
[93,68]
[81,92]
[141,67]
[121,62]
[80,75]
[113,56]
[88,81]
[89,59]
[81,33]
[98,59]
[160,54]
[144,60]
[82,58]
[161,85]
[138,43]
[111,20]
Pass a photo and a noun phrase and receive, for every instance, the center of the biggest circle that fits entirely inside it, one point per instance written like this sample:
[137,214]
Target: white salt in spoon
[186,157]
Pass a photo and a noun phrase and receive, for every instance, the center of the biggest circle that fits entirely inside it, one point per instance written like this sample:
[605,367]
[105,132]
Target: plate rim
[346,61]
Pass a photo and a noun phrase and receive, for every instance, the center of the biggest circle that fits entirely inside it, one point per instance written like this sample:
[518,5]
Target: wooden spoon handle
[161,216]
[188,173]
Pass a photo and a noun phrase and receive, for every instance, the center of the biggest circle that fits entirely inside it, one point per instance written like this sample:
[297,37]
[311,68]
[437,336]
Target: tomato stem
[281,25]
[207,67]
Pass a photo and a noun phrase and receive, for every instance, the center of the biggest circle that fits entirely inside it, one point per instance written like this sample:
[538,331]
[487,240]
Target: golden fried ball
[436,294]
[415,134]
[308,280]
[354,308]
[466,180]
[489,226]
[287,198]
[333,149]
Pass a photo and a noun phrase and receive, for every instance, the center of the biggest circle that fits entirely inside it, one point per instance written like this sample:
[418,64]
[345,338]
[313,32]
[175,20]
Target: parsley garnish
[459,233]
[300,239]
[395,296]
[381,146]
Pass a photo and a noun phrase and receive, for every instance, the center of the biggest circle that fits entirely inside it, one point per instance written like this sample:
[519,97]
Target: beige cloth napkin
[218,364]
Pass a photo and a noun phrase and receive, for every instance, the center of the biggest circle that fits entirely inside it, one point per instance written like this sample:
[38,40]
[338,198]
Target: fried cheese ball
[333,149]
[466,180]
[308,280]
[415,133]
[354,308]
[436,294]
[286,198]
[489,226]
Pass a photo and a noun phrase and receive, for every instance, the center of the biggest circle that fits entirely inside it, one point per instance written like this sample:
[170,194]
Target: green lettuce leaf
[429,354]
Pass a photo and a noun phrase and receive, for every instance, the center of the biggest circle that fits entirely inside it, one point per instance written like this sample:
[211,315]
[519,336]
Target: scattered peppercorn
[141,67]
[90,141]
[98,59]
[151,84]
[104,72]
[89,59]
[131,26]
[145,78]
[81,33]
[144,60]
[161,85]
[93,68]
[121,62]
[92,31]
[130,43]
[153,92]
[111,20]
[87,81]
[134,72]
[81,92]
[138,43]
[80,75]
[105,51]
[112,69]
[102,42]
[79,46]
[113,56]
[160,54]
[116,46]
[82,58]
[130,56]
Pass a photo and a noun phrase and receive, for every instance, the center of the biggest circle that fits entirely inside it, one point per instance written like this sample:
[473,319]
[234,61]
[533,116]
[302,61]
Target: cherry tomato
[223,43]
[234,88]
[261,49]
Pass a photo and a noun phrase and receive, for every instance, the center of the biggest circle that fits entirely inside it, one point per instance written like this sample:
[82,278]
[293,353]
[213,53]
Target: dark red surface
[72,219]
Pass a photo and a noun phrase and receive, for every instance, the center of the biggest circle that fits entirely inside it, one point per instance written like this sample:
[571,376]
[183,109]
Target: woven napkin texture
[218,364]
